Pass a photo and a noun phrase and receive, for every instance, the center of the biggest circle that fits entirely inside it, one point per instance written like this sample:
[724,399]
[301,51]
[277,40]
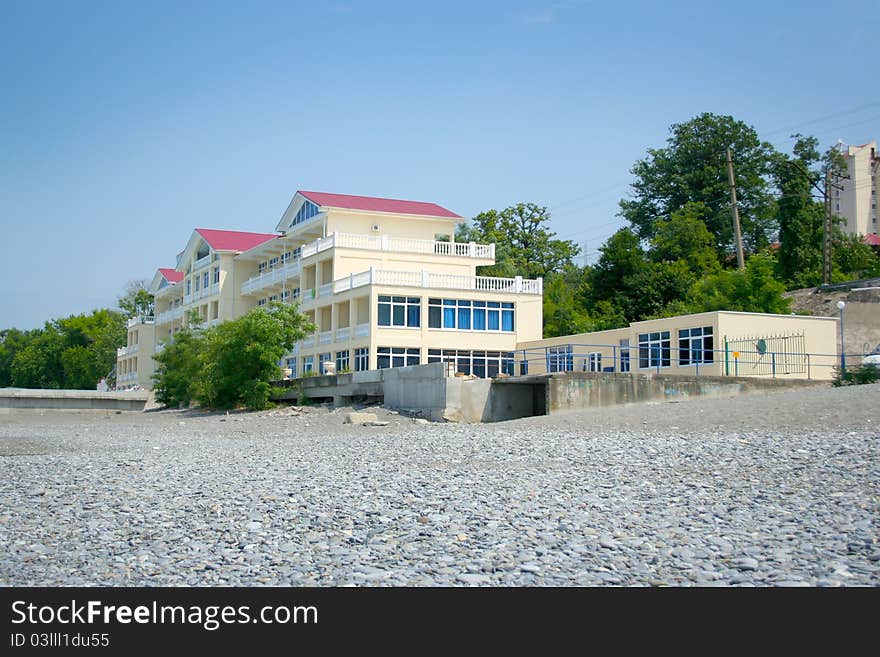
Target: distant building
[856,202]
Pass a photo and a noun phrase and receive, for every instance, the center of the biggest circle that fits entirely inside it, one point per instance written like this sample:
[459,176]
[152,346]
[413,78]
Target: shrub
[858,375]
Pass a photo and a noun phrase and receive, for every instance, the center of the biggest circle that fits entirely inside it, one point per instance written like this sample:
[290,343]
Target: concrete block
[359,418]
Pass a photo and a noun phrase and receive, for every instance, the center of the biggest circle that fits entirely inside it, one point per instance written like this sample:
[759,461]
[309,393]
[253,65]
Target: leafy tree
[11,342]
[684,237]
[524,245]
[241,357]
[692,169]
[136,299]
[754,289]
[854,258]
[178,367]
[564,313]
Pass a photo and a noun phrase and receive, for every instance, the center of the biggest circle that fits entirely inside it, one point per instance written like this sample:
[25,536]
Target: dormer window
[306,212]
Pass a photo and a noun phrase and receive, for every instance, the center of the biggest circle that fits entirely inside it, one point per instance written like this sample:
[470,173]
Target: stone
[359,418]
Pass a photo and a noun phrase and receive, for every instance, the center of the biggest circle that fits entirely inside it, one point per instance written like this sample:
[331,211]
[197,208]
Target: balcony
[325,337]
[122,352]
[428,279]
[140,319]
[343,334]
[128,376]
[271,277]
[362,330]
[372,243]
[169,315]
[202,262]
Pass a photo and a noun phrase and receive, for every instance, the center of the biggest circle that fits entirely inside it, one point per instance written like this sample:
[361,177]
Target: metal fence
[769,356]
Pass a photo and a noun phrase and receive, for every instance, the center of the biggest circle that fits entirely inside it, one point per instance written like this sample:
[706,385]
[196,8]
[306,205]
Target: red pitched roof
[873,239]
[233,240]
[374,204]
[171,275]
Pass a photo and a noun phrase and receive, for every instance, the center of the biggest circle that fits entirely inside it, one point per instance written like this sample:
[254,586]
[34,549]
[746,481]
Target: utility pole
[740,260]
[826,235]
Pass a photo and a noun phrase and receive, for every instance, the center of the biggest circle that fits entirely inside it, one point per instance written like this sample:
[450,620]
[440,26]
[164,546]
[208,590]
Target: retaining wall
[22,398]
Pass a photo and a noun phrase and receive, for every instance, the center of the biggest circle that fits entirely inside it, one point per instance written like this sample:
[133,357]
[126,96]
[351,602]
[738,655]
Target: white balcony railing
[140,319]
[362,330]
[128,376]
[169,315]
[428,279]
[126,351]
[325,337]
[308,342]
[372,243]
[202,262]
[187,299]
[343,334]
[271,277]
[325,290]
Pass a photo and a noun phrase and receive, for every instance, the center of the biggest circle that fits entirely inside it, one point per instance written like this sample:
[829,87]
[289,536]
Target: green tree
[753,289]
[684,237]
[524,245]
[692,169]
[854,258]
[564,313]
[11,342]
[241,357]
[616,276]
[136,299]
[178,368]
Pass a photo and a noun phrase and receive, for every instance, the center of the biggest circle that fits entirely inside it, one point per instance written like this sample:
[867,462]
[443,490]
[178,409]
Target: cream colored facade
[375,284]
[356,274]
[856,202]
[134,361]
[719,343]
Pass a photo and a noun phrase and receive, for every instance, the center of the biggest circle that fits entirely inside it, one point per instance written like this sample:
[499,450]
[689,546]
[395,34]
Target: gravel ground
[771,489]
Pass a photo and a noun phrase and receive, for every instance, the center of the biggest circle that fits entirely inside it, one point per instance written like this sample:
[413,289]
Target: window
[624,355]
[397,357]
[306,212]
[342,362]
[273,262]
[197,279]
[323,359]
[560,359]
[485,364]
[274,297]
[206,280]
[261,268]
[216,274]
[695,346]
[361,359]
[400,311]
[285,296]
[262,302]
[654,349]
[468,315]
[594,362]
[308,364]
[291,364]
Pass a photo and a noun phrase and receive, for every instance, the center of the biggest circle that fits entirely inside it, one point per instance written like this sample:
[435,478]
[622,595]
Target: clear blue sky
[124,125]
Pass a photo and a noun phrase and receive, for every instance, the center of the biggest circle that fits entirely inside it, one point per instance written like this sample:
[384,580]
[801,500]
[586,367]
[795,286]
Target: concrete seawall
[23,398]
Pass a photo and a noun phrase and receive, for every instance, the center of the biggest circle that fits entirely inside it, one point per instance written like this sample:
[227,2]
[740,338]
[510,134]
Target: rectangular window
[695,346]
[261,268]
[285,296]
[486,364]
[323,359]
[262,302]
[196,283]
[273,262]
[654,349]
[467,315]
[594,362]
[342,362]
[206,280]
[216,274]
[560,359]
[308,364]
[624,355]
[397,357]
[399,311]
[361,359]
[291,364]
[274,297]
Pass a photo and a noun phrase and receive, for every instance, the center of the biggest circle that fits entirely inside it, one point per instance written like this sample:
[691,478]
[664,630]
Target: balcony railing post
[424,278]
[517,284]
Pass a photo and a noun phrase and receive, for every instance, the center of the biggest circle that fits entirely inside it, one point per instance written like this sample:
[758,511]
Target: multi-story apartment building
[856,200]
[387,286]
[382,279]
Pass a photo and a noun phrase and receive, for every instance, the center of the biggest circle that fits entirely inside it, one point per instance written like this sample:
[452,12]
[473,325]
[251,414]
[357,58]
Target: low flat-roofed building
[720,343]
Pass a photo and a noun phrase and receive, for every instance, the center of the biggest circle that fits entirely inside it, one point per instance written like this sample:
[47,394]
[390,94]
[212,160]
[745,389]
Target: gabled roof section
[233,240]
[171,275]
[375,204]
[872,239]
